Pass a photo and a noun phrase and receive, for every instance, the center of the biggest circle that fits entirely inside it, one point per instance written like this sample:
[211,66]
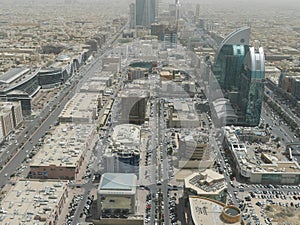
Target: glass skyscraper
[239,69]
[145,12]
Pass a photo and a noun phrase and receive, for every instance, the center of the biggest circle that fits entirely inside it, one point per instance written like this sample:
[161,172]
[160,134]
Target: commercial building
[209,212]
[20,84]
[137,73]
[183,115]
[111,64]
[192,148]
[208,184]
[98,83]
[165,34]
[290,83]
[63,152]
[133,105]
[239,69]
[82,108]
[257,161]
[117,194]
[10,118]
[176,83]
[223,112]
[145,12]
[64,66]
[50,77]
[93,85]
[123,152]
[166,75]
[34,202]
[132,16]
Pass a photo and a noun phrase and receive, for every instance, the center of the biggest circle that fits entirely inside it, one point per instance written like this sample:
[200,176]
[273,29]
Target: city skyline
[149,112]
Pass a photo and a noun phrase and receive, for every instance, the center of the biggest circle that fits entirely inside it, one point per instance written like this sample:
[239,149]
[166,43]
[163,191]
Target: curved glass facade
[229,66]
[239,69]
[252,86]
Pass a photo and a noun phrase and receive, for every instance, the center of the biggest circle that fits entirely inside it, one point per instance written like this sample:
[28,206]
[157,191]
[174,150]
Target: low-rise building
[117,194]
[193,145]
[20,84]
[133,105]
[208,184]
[257,161]
[10,118]
[63,153]
[34,202]
[112,64]
[137,73]
[82,108]
[183,115]
[123,152]
[210,212]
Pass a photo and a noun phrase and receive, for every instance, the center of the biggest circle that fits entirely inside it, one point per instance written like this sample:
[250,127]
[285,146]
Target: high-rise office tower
[172,10]
[165,33]
[145,12]
[177,3]
[197,14]
[132,15]
[239,69]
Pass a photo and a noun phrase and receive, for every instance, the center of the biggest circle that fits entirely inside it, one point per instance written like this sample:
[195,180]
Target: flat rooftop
[127,134]
[64,145]
[117,183]
[30,202]
[207,182]
[80,108]
[206,212]
[291,167]
[136,92]
[251,160]
[93,86]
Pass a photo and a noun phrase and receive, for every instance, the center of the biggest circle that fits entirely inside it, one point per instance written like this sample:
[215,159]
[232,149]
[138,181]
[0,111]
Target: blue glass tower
[145,12]
[239,69]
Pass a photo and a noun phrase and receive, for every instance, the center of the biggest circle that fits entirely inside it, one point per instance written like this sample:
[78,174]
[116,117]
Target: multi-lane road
[39,125]
[36,129]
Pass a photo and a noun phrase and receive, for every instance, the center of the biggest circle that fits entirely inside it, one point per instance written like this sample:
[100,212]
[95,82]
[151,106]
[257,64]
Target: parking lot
[266,204]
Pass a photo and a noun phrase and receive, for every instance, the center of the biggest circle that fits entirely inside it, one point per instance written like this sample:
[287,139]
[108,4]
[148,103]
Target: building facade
[132,15]
[34,201]
[63,153]
[145,12]
[239,69]
[10,118]
[117,194]
[208,184]
[210,212]
[123,152]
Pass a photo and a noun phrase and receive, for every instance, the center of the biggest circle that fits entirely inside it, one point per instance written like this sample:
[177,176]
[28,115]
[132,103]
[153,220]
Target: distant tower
[132,15]
[240,71]
[145,12]
[177,13]
[197,14]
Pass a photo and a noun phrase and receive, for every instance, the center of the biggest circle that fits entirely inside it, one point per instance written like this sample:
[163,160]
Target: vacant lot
[281,215]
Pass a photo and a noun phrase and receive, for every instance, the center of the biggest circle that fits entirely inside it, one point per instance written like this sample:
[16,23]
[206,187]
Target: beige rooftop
[29,201]
[63,146]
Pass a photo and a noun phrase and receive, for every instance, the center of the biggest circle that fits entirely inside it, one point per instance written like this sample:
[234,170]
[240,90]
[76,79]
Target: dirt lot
[283,215]
[42,98]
